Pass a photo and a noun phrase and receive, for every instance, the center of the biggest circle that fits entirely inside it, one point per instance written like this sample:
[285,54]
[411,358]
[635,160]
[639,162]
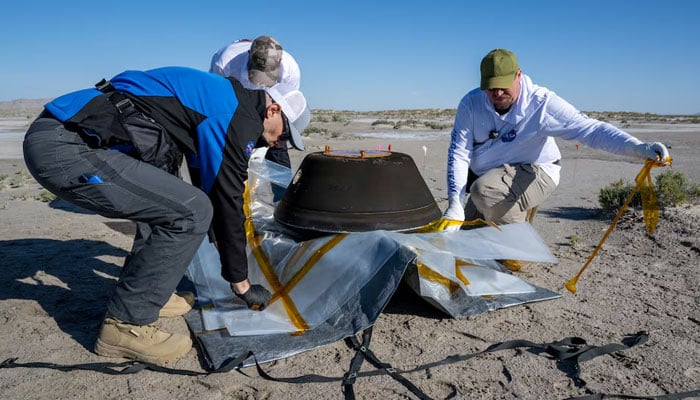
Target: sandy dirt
[60,264]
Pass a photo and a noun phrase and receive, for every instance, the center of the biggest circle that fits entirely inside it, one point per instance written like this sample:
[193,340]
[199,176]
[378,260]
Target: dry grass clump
[671,188]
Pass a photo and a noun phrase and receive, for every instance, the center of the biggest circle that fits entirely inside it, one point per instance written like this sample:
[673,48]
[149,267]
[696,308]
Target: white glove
[653,150]
[455,211]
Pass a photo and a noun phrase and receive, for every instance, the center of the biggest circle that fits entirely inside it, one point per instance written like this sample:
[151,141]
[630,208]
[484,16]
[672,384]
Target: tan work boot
[140,342]
[178,304]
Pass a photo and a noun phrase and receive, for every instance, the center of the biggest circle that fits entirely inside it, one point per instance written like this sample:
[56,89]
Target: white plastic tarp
[312,279]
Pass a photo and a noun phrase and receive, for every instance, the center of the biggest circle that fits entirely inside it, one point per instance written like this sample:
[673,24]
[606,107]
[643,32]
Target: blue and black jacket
[215,121]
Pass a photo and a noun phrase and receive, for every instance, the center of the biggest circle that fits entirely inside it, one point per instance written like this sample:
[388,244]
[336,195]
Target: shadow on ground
[575,213]
[42,270]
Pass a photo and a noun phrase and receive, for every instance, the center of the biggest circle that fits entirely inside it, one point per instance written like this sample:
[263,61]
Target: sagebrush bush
[46,196]
[613,196]
[382,122]
[671,189]
[313,129]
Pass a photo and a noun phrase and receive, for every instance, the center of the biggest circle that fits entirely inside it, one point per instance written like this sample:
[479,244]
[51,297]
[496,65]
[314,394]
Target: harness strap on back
[120,101]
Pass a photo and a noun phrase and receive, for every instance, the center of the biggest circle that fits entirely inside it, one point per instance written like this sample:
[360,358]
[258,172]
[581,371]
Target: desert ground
[60,263]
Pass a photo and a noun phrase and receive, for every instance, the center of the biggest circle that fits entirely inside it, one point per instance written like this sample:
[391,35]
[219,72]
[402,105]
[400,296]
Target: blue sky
[611,55]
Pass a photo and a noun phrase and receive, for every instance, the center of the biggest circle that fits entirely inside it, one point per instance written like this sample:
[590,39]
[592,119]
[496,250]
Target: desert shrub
[613,196]
[437,125]
[46,196]
[19,179]
[313,129]
[382,122]
[335,134]
[671,189]
[412,123]
[339,118]
[575,241]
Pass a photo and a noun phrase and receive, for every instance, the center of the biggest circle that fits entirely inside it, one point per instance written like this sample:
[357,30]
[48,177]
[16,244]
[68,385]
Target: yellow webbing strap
[459,273]
[434,276]
[264,263]
[284,291]
[650,207]
[430,274]
[443,223]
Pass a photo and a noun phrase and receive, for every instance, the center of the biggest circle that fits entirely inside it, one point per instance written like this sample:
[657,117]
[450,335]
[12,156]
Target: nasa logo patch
[510,136]
[249,148]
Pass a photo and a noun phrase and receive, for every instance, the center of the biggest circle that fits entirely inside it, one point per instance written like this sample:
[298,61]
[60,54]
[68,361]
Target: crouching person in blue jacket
[116,150]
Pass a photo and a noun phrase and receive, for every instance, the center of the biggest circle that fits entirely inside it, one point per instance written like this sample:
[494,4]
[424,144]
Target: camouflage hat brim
[264,59]
[263,78]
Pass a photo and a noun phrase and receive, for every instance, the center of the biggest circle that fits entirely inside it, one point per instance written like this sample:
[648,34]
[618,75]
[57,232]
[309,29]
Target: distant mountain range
[22,107]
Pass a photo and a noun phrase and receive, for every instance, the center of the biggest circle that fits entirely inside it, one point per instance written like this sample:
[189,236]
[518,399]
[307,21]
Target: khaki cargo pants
[509,194]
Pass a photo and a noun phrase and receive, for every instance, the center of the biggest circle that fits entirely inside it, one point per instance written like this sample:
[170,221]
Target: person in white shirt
[502,149]
[260,64]
[257,64]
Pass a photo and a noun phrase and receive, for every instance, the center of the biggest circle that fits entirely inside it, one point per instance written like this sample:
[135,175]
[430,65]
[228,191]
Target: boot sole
[108,350]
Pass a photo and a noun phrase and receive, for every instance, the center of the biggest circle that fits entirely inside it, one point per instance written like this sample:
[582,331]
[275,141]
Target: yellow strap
[459,273]
[264,264]
[434,276]
[313,260]
[443,223]
[650,207]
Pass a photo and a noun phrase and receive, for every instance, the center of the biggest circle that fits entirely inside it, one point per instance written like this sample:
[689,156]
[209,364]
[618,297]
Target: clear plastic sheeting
[331,287]
[315,277]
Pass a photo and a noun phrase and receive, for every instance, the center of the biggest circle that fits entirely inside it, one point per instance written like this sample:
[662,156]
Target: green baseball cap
[498,69]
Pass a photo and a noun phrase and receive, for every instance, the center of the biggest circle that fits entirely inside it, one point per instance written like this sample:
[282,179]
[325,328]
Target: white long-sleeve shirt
[232,60]
[525,134]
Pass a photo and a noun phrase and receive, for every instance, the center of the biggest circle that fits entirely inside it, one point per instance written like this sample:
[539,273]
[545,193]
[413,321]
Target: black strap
[571,349]
[569,352]
[363,352]
[126,367]
[120,101]
[350,377]
[105,86]
[672,396]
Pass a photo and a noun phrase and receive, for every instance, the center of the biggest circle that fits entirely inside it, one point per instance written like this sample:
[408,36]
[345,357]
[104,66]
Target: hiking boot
[140,342]
[178,304]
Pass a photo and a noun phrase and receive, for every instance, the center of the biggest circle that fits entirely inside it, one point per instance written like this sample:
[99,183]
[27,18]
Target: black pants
[116,185]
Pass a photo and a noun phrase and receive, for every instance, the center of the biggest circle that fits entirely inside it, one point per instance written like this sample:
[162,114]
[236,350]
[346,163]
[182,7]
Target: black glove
[256,298]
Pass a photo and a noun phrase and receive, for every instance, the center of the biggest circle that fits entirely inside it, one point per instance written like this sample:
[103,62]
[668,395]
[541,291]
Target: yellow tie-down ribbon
[282,291]
[443,223]
[650,207]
